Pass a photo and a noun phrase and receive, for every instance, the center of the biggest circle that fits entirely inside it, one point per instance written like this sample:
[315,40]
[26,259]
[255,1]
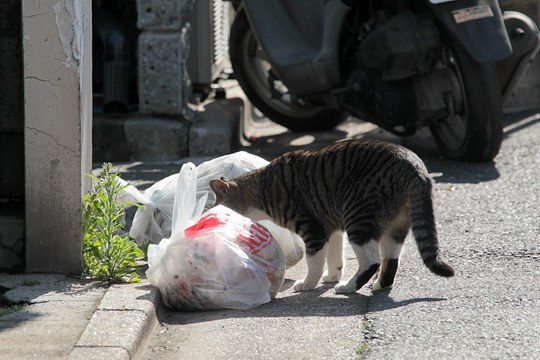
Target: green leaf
[107,255]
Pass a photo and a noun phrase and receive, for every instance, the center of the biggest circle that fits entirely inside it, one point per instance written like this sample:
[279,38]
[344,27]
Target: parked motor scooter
[446,64]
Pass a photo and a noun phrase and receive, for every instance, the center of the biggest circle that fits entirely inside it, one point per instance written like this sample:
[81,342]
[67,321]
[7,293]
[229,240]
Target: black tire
[252,71]
[476,134]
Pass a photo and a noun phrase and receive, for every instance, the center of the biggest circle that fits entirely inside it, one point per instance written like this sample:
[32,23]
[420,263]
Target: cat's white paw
[344,288]
[378,287]
[331,278]
[302,285]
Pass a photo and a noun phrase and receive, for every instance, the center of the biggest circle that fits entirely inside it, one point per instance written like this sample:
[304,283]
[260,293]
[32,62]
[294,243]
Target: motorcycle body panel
[300,39]
[525,38]
[477,25]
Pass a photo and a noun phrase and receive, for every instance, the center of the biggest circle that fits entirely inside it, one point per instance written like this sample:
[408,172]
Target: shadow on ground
[321,302]
[422,143]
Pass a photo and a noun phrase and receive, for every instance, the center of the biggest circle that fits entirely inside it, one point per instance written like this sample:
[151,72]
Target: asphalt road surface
[488,218]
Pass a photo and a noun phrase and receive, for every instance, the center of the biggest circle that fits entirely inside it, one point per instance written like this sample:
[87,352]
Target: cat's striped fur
[375,191]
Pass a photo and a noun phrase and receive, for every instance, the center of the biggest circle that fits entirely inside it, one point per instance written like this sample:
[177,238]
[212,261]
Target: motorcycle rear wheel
[475,134]
[266,92]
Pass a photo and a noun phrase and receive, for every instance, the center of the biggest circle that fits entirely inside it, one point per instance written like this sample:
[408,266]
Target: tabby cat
[375,191]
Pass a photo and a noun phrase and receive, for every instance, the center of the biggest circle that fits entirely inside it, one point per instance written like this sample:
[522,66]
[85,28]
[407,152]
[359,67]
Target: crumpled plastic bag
[291,244]
[224,260]
[220,260]
[230,166]
[153,221]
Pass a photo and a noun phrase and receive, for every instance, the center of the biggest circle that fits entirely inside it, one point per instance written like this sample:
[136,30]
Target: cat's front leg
[334,258]
[315,265]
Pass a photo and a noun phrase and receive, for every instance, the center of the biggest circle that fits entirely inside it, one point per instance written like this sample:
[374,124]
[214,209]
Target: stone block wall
[163,49]
[161,82]
[160,132]
[166,128]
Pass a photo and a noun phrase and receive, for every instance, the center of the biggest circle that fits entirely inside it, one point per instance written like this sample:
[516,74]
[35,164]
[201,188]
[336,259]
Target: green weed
[108,255]
[362,350]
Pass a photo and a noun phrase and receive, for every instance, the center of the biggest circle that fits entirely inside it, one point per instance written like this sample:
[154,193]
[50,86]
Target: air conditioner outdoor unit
[209,48]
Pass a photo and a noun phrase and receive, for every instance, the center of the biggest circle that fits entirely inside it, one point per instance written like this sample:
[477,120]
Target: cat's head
[228,194]
[238,198]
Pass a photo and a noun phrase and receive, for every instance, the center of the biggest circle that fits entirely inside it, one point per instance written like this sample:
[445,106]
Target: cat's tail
[422,220]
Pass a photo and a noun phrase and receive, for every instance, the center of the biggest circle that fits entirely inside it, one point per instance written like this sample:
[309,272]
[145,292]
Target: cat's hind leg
[390,247]
[390,253]
[363,233]
[367,255]
[335,260]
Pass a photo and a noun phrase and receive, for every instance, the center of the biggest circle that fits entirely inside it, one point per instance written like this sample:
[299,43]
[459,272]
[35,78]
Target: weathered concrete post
[58,126]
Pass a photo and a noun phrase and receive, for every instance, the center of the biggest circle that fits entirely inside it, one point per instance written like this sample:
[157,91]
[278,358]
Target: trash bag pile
[203,257]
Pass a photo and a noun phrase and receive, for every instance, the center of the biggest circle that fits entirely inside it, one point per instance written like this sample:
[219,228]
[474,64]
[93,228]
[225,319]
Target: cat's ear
[220,187]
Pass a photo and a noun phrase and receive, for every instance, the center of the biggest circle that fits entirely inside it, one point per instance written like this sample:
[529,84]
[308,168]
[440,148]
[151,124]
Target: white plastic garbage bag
[219,260]
[291,244]
[153,222]
[229,166]
[222,261]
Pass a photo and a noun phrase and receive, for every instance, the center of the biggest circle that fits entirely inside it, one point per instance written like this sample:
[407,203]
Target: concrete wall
[58,107]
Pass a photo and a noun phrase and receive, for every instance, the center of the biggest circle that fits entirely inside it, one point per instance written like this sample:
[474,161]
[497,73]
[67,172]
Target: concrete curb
[121,324]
